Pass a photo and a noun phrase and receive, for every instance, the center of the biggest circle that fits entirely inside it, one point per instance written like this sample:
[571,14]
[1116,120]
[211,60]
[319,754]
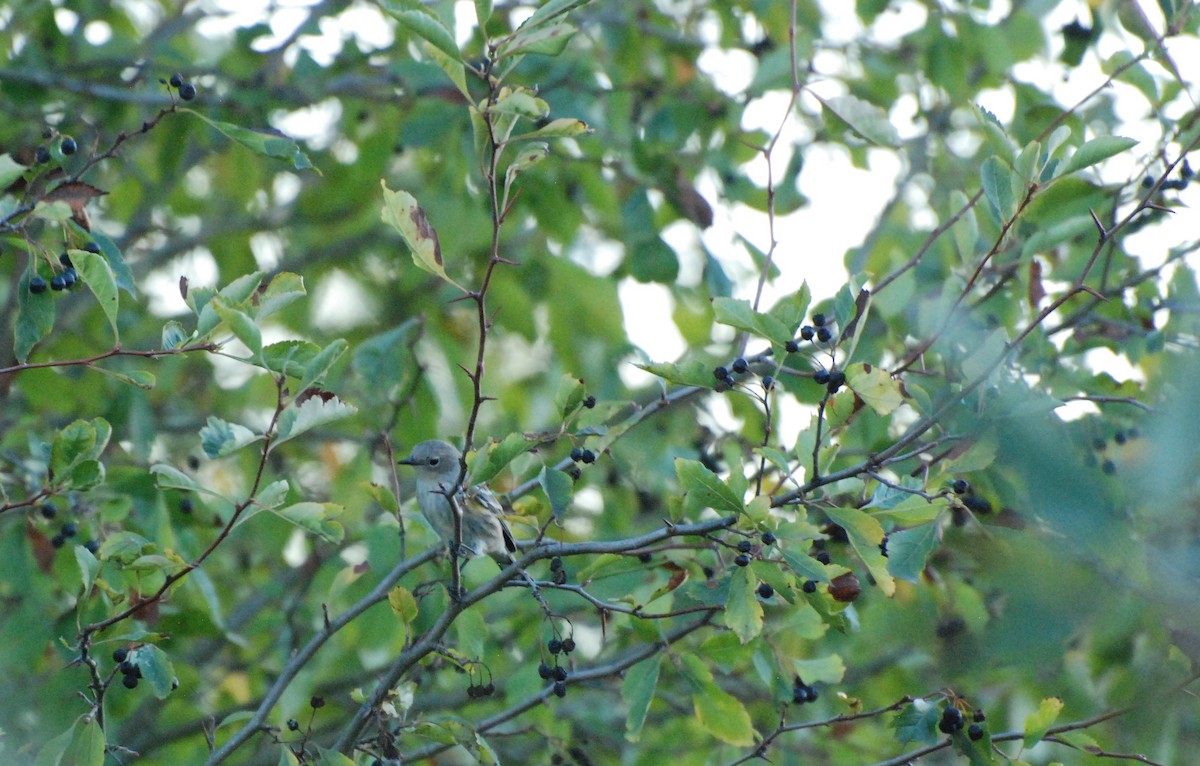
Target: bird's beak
[406,461]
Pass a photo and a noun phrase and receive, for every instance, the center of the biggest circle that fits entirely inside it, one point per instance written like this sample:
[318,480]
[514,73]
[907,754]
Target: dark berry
[554,646]
[65,260]
[823,557]
[768,382]
[975,732]
[577,454]
[70,276]
[810,694]
[720,373]
[560,689]
[1099,444]
[474,691]
[568,645]
[821,377]
[1109,467]
[187,91]
[588,456]
[742,560]
[129,668]
[59,282]
[589,402]
[37,285]
[644,558]
[49,510]
[768,538]
[1148,182]
[560,673]
[946,727]
[979,716]
[708,572]
[960,486]
[810,586]
[798,696]
[93,547]
[560,577]
[176,80]
[837,379]
[487,689]
[807,332]
[953,715]
[824,334]
[293,724]
[791,346]
[883,546]
[42,155]
[765,590]
[69,530]
[58,541]
[68,146]
[744,546]
[556,564]
[317,702]
[119,655]
[740,366]
[545,671]
[92,247]
[1119,437]
[186,505]
[818,320]
[129,682]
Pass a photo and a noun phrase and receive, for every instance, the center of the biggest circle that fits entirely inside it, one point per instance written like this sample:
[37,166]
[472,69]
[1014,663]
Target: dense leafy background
[1057,590]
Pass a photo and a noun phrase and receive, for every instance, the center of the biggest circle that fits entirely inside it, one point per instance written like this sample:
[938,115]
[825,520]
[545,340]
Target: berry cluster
[952,720]
[558,573]
[725,375]
[67,146]
[1185,176]
[186,90]
[479,691]
[581,455]
[557,674]
[128,667]
[802,692]
[64,280]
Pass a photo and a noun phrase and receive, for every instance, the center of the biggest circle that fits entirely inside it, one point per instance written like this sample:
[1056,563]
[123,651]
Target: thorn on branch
[1100,226]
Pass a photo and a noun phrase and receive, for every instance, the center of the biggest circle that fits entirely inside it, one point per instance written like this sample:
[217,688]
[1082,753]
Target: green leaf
[139,378]
[865,535]
[875,387]
[986,355]
[173,335]
[96,274]
[719,713]
[829,670]
[913,510]
[273,494]
[483,12]
[85,475]
[220,438]
[72,445]
[35,318]
[790,310]
[89,567]
[547,13]
[705,489]
[1039,722]
[114,256]
[172,478]
[156,668]
[686,374]
[319,365]
[521,103]
[316,518]
[422,22]
[637,691]
[740,315]
[486,464]
[743,613]
[559,489]
[403,605]
[996,178]
[863,118]
[917,722]
[327,757]
[569,396]
[909,549]
[283,289]
[563,127]
[268,143]
[87,744]
[966,228]
[402,213]
[314,411]
[290,357]
[10,170]
[1096,150]
[471,631]
[547,41]
[241,325]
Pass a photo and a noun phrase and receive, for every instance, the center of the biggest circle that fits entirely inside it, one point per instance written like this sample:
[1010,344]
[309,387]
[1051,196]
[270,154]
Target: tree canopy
[946,513]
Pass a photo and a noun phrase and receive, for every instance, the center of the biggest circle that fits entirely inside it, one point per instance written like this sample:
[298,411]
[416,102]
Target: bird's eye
[434,460]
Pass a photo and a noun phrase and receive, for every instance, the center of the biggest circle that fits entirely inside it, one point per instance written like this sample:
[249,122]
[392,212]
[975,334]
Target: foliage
[947,514]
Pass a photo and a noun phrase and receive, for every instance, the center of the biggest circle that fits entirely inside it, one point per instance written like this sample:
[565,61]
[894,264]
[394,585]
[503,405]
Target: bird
[440,470]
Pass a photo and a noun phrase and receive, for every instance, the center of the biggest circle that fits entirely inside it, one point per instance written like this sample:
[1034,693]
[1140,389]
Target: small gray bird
[439,466]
